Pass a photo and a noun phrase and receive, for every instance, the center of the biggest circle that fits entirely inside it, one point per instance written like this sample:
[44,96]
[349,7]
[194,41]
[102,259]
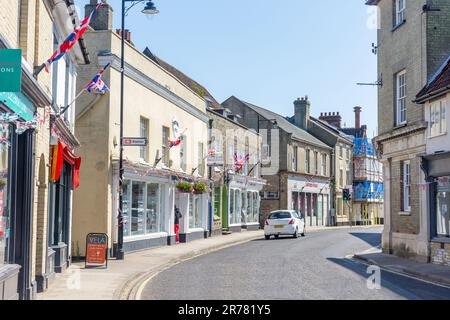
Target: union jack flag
[97,85]
[71,39]
[239,162]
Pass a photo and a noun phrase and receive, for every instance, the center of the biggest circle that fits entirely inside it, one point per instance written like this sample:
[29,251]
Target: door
[320,210]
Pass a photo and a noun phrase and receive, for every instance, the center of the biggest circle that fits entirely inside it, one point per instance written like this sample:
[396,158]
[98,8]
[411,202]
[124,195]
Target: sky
[268,53]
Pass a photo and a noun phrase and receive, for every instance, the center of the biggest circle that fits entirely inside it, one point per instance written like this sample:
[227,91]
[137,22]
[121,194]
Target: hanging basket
[200,188]
[184,187]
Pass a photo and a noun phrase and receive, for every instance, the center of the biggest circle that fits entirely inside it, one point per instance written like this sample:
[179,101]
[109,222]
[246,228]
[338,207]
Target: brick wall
[9,17]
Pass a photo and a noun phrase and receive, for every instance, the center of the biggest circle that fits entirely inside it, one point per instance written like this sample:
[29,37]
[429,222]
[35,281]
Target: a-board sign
[96,249]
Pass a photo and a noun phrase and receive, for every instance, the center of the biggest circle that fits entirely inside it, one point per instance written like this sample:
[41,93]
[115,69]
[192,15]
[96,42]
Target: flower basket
[184,187]
[199,188]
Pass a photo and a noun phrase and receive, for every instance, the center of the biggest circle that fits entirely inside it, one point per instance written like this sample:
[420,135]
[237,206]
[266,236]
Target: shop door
[320,210]
[314,210]
[308,219]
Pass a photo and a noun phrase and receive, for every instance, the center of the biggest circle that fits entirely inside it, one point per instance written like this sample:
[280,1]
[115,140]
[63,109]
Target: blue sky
[267,52]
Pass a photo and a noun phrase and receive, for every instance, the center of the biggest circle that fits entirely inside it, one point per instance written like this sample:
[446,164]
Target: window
[144,134]
[280,215]
[401,98]
[307,164]
[406,181]
[341,152]
[324,164]
[165,146]
[348,153]
[348,177]
[195,211]
[438,118]
[247,152]
[294,158]
[201,160]
[137,208]
[183,148]
[316,163]
[400,7]
[443,206]
[341,178]
[4,196]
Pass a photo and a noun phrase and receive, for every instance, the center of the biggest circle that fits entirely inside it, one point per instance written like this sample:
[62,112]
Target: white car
[284,222]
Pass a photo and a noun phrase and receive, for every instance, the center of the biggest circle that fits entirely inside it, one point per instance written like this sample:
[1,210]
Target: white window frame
[324,164]
[438,118]
[295,158]
[400,97]
[400,8]
[144,133]
[406,169]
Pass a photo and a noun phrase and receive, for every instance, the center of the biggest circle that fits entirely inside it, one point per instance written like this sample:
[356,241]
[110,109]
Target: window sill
[404,213]
[440,239]
[400,125]
[398,25]
[438,135]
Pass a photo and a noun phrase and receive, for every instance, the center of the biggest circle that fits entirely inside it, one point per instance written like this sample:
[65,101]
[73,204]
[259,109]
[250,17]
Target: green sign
[10,70]
[18,103]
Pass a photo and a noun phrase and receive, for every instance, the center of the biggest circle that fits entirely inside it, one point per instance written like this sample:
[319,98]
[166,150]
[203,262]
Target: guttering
[434,94]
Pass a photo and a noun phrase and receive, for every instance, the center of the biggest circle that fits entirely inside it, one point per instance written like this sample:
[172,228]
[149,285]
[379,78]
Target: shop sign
[215,160]
[10,70]
[96,249]
[18,103]
[135,142]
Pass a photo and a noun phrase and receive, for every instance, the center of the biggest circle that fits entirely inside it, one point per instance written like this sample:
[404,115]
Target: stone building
[159,107]
[413,41]
[435,98]
[327,129]
[296,165]
[29,219]
[234,197]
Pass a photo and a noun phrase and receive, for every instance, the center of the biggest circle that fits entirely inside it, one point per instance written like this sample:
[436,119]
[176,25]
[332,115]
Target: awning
[61,153]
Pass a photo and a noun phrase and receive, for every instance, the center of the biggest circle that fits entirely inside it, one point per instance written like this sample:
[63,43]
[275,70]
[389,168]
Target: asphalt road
[314,267]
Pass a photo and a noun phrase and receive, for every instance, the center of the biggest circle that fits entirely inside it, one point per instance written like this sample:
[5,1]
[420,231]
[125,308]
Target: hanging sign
[96,249]
[18,103]
[135,142]
[10,70]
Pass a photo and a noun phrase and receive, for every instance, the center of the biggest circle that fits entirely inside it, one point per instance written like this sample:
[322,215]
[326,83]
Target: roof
[372,2]
[357,133]
[284,124]
[438,84]
[188,81]
[335,130]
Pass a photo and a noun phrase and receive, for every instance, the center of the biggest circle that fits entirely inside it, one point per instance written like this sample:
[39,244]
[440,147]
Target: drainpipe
[210,206]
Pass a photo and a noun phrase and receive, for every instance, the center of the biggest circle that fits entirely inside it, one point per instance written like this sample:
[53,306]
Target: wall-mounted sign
[96,249]
[135,142]
[18,103]
[10,70]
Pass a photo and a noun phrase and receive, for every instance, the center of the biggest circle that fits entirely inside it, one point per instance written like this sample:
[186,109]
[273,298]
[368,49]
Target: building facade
[295,164]
[435,98]
[413,40]
[157,178]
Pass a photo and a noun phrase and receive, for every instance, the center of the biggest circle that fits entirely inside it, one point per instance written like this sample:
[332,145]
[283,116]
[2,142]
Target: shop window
[152,211]
[443,207]
[195,212]
[237,207]
[232,205]
[126,187]
[137,209]
[406,184]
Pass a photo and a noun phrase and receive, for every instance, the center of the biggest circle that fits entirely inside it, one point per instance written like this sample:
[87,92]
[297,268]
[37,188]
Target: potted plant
[199,188]
[2,183]
[184,187]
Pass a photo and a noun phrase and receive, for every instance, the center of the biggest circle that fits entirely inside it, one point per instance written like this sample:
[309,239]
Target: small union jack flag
[97,85]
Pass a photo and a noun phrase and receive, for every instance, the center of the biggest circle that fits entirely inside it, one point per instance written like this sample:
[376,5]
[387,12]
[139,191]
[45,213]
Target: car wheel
[267,237]
[295,234]
[277,236]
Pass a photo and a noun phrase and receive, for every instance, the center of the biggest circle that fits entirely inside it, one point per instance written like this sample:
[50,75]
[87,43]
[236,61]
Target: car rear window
[280,215]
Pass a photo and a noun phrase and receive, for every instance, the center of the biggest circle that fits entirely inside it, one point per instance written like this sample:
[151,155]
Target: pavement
[438,274]
[120,281]
[319,266]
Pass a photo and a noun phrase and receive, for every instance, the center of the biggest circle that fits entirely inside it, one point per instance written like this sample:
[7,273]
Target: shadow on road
[374,239]
[407,288]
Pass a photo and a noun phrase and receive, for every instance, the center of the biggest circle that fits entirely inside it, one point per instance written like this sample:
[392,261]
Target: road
[314,267]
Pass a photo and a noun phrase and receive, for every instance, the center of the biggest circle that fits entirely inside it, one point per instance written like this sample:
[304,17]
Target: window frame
[400,98]
[165,148]
[406,185]
[144,129]
[400,12]
[439,127]
[324,164]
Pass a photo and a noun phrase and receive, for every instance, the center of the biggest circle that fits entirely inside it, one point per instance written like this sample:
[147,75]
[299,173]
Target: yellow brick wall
[9,17]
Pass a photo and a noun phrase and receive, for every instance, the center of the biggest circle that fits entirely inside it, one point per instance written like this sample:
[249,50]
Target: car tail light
[266,222]
[292,221]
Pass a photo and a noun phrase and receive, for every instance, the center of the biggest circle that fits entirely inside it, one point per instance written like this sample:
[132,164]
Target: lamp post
[149,9]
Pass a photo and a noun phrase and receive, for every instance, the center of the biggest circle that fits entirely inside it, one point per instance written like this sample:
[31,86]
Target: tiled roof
[285,125]
[438,84]
[189,82]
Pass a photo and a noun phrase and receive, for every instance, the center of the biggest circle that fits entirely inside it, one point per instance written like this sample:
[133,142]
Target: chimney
[127,35]
[302,108]
[103,20]
[332,118]
[357,117]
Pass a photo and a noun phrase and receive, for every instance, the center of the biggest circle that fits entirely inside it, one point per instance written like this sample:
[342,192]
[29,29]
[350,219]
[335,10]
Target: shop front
[150,197]
[244,203]
[438,173]
[310,198]
[64,179]
[16,196]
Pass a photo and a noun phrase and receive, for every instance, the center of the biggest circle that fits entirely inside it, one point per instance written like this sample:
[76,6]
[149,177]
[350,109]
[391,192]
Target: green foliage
[200,187]
[184,186]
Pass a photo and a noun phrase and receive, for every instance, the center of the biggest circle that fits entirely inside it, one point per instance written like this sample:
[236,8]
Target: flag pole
[73,101]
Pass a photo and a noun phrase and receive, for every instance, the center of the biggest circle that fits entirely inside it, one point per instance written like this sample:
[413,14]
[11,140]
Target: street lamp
[149,9]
